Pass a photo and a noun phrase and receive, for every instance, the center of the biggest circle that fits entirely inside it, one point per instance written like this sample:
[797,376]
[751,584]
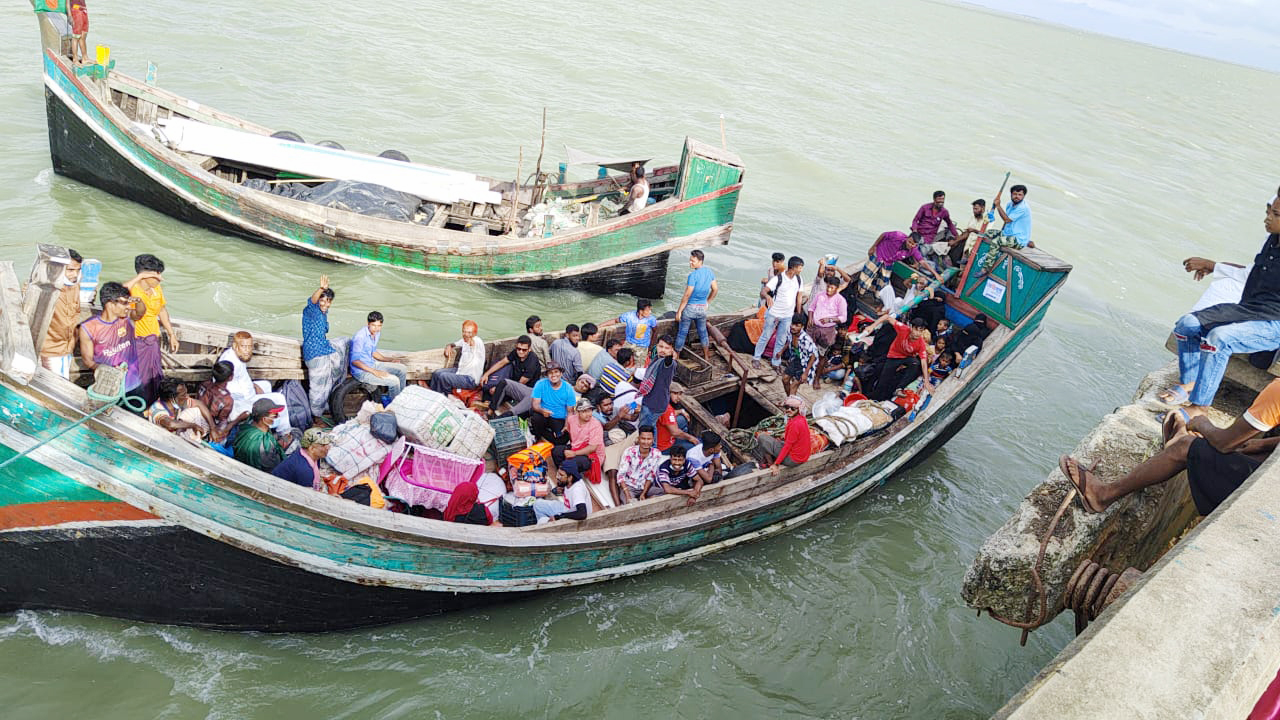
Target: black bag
[359,493]
[383,426]
[745,468]
[515,515]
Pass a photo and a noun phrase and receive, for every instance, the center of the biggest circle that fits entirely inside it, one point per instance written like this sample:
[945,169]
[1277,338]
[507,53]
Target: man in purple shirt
[930,216]
[889,248]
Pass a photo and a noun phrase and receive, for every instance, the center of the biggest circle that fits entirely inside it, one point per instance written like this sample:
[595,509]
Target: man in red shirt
[668,425]
[908,357]
[794,446]
[1217,460]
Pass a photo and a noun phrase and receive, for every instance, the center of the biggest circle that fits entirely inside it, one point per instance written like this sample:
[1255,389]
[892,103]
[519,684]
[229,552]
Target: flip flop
[1176,395]
[1065,464]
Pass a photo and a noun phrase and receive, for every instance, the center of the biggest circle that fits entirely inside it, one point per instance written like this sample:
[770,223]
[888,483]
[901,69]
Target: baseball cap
[265,406]
[316,436]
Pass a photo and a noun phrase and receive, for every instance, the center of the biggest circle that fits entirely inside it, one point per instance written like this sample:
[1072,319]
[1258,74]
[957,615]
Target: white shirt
[576,494]
[696,458]
[471,362]
[639,195]
[240,385]
[1227,286]
[784,290]
[623,395]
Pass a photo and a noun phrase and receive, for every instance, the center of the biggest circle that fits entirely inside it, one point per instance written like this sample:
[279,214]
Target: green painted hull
[91,141]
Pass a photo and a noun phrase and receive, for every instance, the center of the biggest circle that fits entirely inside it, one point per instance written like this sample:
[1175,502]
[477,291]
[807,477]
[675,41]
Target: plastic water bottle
[848,382]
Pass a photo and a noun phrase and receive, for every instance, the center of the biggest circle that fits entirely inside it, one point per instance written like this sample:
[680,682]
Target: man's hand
[173,343]
[381,373]
[1198,265]
[324,282]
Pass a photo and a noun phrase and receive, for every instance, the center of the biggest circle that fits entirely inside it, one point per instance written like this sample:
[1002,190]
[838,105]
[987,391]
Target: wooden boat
[105,129]
[119,517]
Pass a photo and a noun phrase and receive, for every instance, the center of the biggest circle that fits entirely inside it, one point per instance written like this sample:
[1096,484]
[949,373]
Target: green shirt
[257,447]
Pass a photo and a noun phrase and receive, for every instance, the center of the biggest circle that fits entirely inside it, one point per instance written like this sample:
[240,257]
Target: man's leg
[700,321]
[390,384]
[520,395]
[683,331]
[446,381]
[766,334]
[888,379]
[1220,343]
[493,386]
[401,375]
[321,373]
[767,448]
[1187,334]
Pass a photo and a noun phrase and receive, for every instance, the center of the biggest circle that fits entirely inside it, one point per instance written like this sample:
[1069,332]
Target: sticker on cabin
[993,291]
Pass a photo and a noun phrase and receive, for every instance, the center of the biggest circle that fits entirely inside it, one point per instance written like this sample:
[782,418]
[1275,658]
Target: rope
[109,377]
[745,439]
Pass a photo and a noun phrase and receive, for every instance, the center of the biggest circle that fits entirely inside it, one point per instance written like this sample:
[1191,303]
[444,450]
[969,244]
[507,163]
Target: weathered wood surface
[1135,531]
[17,353]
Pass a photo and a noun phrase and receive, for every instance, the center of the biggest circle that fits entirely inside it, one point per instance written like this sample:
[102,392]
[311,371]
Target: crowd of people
[609,407]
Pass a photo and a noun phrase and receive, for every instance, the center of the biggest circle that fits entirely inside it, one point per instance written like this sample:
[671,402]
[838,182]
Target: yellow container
[104,55]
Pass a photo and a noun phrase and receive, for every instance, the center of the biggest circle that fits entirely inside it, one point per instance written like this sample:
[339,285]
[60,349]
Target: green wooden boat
[118,517]
[117,133]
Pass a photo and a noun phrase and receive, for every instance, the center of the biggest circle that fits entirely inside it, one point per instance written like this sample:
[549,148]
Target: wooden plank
[219,336]
[41,295]
[18,357]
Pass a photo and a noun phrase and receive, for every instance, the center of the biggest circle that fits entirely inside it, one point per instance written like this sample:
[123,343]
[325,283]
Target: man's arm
[1203,266]
[86,348]
[872,252]
[502,362]
[168,328]
[915,221]
[144,275]
[675,431]
[715,288]
[324,285]
[1000,208]
[1224,440]
[537,407]
[951,226]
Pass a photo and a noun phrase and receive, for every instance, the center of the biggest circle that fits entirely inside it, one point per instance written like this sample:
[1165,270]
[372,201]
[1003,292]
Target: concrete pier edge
[1197,637]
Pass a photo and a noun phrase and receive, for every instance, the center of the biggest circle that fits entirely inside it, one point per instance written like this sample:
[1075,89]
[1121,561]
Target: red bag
[908,400]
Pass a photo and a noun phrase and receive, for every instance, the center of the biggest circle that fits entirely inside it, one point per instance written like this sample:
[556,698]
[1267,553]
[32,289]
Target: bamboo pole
[515,192]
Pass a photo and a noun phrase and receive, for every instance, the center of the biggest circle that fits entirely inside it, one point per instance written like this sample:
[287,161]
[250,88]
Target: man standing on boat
[145,286]
[1207,338]
[372,367]
[108,338]
[655,389]
[60,339]
[925,226]
[322,358]
[700,289]
[537,343]
[79,16]
[782,296]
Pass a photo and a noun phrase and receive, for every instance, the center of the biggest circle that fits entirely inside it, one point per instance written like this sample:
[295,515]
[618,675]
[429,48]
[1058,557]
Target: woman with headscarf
[463,508]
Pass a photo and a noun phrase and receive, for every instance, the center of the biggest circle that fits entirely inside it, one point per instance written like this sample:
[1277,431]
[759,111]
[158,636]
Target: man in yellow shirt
[145,285]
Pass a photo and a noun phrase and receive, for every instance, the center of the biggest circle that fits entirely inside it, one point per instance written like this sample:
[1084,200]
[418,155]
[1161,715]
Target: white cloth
[577,493]
[624,393]
[244,391]
[1227,286]
[471,361]
[784,290]
[639,195]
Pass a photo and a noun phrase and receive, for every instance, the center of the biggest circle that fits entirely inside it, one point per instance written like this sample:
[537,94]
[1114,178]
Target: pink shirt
[823,308]
[589,433]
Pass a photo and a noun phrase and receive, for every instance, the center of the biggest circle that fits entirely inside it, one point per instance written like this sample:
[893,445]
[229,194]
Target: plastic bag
[827,404]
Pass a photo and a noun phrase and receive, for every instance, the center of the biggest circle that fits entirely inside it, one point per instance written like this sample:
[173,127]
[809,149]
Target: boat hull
[164,573]
[149,570]
[88,144]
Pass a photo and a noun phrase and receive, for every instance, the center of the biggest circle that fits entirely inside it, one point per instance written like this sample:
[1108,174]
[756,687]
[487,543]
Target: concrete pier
[1197,637]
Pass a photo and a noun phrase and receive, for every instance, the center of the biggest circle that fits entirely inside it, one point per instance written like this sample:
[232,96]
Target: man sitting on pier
[1217,460]
[1207,338]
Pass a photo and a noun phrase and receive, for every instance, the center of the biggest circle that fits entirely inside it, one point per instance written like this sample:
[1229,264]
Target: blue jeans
[648,418]
[696,314]
[837,374]
[1202,357]
[393,384]
[771,324]
[548,508]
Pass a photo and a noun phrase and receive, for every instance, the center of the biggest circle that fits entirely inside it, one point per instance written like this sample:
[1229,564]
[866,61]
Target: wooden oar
[991,214]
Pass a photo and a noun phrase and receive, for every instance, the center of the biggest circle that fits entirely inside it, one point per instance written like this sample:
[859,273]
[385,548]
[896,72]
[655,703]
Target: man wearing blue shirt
[700,289]
[552,398]
[322,358]
[372,367]
[640,324]
[1016,216]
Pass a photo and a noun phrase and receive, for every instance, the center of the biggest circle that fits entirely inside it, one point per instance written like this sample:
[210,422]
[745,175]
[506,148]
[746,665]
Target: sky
[1246,32]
